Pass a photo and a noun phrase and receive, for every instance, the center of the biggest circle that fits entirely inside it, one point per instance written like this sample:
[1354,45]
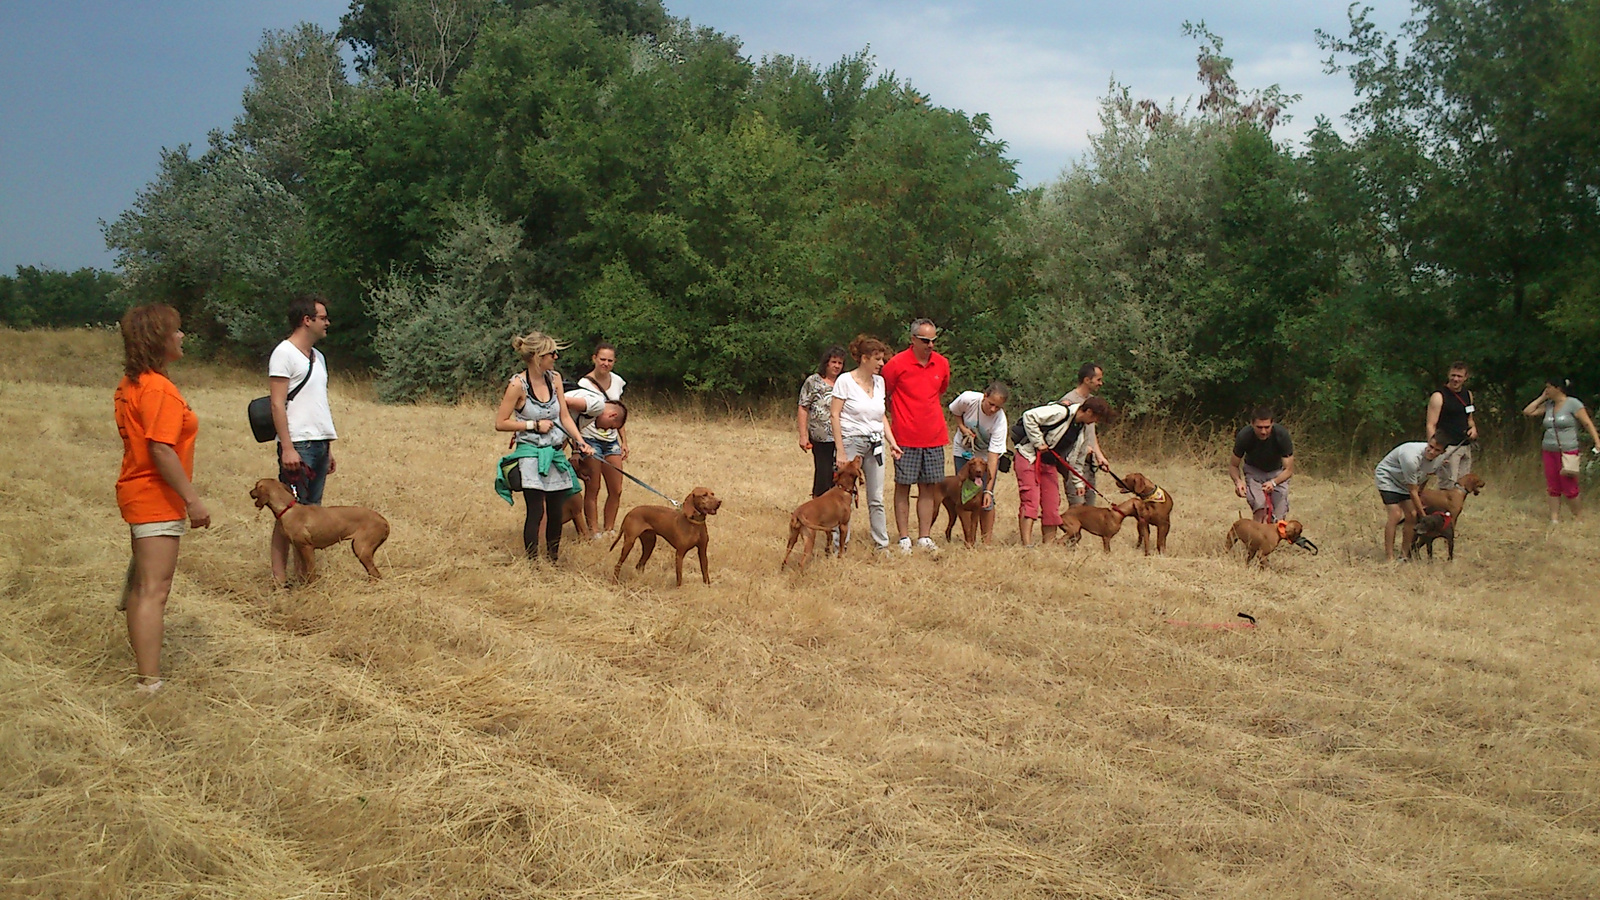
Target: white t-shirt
[590,431]
[310,419]
[1403,467]
[968,407]
[594,405]
[862,413]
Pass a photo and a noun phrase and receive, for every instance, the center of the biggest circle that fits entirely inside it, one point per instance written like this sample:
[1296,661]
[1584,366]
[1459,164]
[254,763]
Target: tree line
[600,169]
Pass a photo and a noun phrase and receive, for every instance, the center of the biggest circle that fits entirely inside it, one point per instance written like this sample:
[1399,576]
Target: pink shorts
[1038,485]
[1555,483]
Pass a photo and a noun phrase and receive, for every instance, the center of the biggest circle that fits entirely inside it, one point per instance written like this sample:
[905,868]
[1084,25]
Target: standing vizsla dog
[683,529]
[1452,501]
[825,513]
[1261,538]
[1155,509]
[948,493]
[1101,521]
[312,528]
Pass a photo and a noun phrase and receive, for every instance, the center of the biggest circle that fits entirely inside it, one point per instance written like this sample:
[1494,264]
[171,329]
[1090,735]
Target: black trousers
[822,457]
[546,504]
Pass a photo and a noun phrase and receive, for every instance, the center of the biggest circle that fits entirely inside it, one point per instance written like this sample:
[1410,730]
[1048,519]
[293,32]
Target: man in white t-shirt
[297,378]
[1090,379]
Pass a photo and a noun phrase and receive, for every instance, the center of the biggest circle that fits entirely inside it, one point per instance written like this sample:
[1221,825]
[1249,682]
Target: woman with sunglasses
[534,409]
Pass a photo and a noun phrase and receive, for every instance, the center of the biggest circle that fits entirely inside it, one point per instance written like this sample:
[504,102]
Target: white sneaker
[905,546]
[599,535]
[926,543]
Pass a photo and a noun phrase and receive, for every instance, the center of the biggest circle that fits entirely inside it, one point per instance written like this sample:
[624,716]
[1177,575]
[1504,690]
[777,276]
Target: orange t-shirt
[152,410]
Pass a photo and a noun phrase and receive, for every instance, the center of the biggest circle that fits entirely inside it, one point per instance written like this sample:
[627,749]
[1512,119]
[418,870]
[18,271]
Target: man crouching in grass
[1400,477]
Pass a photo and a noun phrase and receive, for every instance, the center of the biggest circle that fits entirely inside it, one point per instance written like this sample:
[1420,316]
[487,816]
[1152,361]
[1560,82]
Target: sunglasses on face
[926,340]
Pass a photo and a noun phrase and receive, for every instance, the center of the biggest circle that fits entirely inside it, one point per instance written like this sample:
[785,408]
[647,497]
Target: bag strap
[1555,428]
[303,381]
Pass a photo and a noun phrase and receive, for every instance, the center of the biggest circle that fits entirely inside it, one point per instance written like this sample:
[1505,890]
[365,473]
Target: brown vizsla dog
[1155,509]
[1261,538]
[312,528]
[1452,501]
[682,529]
[572,512]
[1102,521]
[948,494]
[825,513]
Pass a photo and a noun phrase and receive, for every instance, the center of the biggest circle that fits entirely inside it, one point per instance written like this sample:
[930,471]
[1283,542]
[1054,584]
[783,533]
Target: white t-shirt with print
[862,413]
[968,407]
[310,418]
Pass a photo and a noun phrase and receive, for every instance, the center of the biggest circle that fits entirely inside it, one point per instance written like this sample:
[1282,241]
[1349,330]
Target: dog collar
[1283,530]
[292,505]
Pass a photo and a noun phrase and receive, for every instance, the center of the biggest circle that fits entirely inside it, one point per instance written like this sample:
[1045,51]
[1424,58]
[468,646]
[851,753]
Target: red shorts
[1555,483]
[1038,488]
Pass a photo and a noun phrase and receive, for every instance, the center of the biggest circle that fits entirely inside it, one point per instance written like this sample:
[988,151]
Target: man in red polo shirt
[916,380]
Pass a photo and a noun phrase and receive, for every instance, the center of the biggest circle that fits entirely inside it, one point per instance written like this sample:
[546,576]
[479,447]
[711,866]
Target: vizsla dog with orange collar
[948,494]
[1101,521]
[312,528]
[825,513]
[1155,508]
[1261,538]
[682,528]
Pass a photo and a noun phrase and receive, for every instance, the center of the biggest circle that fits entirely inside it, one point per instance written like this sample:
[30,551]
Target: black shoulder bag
[260,409]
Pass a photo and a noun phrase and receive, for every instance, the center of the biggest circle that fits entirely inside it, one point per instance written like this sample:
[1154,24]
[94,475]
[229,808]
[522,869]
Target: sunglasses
[925,340]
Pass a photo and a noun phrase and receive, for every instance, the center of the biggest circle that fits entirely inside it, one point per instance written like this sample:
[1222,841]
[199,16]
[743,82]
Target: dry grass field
[992,723]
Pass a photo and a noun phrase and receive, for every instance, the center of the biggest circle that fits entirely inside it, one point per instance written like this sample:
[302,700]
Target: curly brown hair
[145,331]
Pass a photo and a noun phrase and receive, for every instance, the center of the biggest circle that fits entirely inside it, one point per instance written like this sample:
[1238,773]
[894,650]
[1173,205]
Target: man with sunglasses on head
[304,422]
[1452,414]
[916,379]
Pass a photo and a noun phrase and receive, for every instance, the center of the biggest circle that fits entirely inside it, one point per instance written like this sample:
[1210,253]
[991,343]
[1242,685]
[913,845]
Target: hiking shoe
[927,544]
[905,546]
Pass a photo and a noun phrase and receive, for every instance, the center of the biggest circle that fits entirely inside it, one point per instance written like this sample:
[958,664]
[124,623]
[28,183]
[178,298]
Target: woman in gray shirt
[1562,416]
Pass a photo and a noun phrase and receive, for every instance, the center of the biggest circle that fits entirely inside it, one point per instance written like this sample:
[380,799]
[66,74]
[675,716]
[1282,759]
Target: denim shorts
[603,449]
[308,481]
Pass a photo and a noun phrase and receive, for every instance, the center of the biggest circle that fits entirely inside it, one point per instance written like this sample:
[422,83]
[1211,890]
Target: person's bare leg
[589,470]
[1394,514]
[613,476]
[927,508]
[155,559]
[1555,510]
[1024,530]
[986,517]
[902,508]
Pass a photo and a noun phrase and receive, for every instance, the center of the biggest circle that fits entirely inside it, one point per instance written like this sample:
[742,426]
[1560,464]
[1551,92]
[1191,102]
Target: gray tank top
[533,409]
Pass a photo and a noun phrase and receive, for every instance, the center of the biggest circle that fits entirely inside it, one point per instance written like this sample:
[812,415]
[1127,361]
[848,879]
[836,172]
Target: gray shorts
[919,465]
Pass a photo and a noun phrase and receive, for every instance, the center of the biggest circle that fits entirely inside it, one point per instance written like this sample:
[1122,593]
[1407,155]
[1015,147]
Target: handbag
[259,412]
[1569,458]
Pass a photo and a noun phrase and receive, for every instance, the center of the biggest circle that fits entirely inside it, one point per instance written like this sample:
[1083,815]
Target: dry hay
[998,723]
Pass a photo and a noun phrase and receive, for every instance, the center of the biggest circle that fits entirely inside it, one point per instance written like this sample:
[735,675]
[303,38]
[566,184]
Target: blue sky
[91,91]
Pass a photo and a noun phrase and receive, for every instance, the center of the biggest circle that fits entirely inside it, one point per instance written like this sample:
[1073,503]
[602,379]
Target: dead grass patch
[996,723]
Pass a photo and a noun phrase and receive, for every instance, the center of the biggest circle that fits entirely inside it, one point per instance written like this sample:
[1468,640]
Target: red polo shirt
[916,399]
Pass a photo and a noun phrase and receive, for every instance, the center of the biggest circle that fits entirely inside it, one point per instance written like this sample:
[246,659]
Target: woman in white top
[860,429]
[610,444]
[981,428]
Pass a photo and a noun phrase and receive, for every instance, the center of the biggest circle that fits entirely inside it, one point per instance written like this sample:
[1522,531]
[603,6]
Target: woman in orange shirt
[154,491]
